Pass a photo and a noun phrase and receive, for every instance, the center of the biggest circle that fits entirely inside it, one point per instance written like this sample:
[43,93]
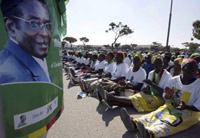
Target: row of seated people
[171,97]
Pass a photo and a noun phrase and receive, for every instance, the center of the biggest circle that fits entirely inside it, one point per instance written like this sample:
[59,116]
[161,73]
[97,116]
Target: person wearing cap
[167,61]
[180,112]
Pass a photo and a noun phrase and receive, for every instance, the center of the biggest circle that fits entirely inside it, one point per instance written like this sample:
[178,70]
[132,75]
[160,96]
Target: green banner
[31,96]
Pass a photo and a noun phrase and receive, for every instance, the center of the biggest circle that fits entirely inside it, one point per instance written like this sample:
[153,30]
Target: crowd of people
[166,85]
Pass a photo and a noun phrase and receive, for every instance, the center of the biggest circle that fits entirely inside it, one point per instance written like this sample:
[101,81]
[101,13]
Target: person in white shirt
[121,68]
[128,60]
[102,63]
[180,112]
[93,62]
[110,65]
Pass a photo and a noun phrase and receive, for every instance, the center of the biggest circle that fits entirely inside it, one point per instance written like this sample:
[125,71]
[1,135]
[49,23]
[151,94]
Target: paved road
[86,118]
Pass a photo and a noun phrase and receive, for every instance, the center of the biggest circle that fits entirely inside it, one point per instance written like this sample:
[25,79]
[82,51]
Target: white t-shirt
[132,65]
[78,60]
[82,60]
[165,79]
[136,77]
[120,71]
[100,65]
[92,64]
[74,57]
[190,94]
[110,68]
[127,61]
[86,61]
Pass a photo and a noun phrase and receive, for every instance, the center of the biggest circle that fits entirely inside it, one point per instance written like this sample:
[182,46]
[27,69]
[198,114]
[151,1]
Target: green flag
[31,96]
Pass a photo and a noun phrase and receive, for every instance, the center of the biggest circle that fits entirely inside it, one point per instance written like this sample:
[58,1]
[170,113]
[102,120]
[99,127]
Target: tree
[192,46]
[63,44]
[106,46]
[196,29]
[156,46]
[84,40]
[119,31]
[133,46]
[117,45]
[71,40]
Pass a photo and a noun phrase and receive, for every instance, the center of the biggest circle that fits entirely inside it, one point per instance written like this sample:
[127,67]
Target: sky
[147,18]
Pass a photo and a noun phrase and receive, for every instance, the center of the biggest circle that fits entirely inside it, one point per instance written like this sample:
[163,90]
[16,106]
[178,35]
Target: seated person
[100,66]
[167,63]
[148,66]
[176,68]
[196,56]
[151,97]
[110,66]
[180,112]
[127,59]
[86,61]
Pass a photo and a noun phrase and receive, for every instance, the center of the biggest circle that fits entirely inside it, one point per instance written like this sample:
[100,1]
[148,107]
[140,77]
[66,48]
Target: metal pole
[170,16]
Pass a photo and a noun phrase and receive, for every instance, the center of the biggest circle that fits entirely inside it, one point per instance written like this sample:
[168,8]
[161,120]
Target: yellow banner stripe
[38,133]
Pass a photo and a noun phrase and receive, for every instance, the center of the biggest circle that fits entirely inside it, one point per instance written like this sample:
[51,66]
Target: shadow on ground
[70,85]
[109,114]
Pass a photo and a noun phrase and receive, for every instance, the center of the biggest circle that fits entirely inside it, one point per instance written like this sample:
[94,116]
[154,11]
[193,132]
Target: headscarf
[122,55]
[195,55]
[187,61]
[94,53]
[140,56]
[178,60]
[150,54]
[155,57]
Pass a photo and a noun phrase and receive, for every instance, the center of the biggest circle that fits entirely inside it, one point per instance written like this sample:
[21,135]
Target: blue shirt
[148,67]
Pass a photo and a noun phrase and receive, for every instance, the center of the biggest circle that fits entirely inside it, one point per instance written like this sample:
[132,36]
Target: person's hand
[128,84]
[169,92]
[95,76]
[182,106]
[122,82]
[147,81]
[146,89]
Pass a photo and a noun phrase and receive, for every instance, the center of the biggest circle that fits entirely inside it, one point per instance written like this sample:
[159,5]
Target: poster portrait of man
[28,25]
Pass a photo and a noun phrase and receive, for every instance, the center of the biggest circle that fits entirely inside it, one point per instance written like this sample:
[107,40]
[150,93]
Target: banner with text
[31,83]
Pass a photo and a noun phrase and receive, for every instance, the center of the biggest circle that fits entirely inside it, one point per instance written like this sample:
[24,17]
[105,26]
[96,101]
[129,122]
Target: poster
[31,96]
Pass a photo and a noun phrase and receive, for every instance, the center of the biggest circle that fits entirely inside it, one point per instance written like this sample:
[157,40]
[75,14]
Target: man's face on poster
[33,33]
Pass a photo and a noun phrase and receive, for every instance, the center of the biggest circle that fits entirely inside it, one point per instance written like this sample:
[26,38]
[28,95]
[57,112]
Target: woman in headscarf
[196,56]
[180,112]
[176,68]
